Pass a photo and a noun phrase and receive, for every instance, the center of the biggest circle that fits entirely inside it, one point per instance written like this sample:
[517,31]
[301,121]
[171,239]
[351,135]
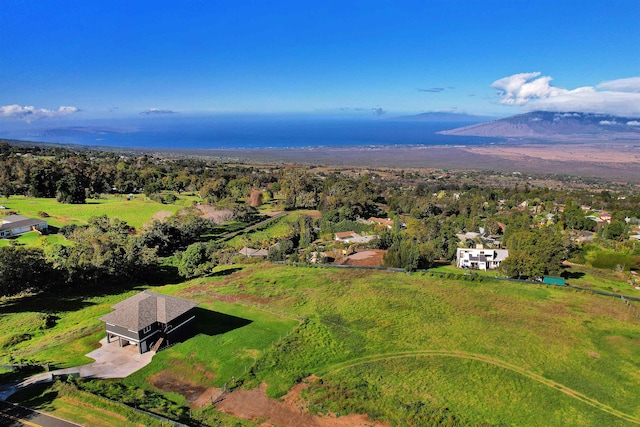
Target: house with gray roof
[149,321]
[14,225]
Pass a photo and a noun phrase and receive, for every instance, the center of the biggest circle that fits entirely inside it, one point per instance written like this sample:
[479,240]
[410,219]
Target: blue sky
[120,58]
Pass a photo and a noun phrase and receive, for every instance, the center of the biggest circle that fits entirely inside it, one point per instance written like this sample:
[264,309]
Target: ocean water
[247,133]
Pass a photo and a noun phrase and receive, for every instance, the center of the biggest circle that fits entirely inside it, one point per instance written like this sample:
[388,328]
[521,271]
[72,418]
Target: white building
[14,225]
[480,259]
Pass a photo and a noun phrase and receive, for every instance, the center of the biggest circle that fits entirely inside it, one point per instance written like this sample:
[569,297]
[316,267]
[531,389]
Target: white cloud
[30,113]
[631,84]
[608,122]
[619,97]
[633,123]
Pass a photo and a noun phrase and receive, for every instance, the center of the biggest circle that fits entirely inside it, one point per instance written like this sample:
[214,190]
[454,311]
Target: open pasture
[534,355]
[136,212]
[396,346]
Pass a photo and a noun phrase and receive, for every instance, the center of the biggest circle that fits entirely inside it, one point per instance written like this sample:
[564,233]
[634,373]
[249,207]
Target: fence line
[142,411]
[630,306]
[441,273]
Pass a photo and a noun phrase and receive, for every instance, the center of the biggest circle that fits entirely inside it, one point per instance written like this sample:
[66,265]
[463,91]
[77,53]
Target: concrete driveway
[111,361]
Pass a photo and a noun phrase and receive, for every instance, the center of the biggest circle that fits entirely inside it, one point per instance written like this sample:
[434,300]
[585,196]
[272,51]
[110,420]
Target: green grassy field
[65,401]
[531,334]
[270,234]
[396,346]
[53,328]
[600,279]
[135,212]
[35,239]
[582,276]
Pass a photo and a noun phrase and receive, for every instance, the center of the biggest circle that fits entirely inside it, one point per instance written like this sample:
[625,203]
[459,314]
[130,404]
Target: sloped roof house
[149,320]
[14,225]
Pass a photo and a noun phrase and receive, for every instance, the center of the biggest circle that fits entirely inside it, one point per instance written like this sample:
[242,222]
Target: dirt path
[251,227]
[493,361]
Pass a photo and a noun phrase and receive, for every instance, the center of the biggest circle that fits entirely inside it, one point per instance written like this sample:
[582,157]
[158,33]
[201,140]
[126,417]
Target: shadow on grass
[226,272]
[52,229]
[37,396]
[571,274]
[211,323]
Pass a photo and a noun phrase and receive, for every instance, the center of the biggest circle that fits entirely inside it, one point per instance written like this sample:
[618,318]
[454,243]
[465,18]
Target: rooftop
[146,308]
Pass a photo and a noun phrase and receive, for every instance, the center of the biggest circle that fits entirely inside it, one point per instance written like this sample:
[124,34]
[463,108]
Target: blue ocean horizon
[249,133]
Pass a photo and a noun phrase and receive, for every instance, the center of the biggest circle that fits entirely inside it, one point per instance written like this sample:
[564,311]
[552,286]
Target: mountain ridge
[550,125]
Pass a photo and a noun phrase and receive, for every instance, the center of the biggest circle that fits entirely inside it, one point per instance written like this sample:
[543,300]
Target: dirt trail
[493,361]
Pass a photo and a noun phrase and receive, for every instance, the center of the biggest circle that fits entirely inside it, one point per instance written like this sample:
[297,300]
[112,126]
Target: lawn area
[135,212]
[57,329]
[34,239]
[66,402]
[503,341]
[584,276]
[393,345]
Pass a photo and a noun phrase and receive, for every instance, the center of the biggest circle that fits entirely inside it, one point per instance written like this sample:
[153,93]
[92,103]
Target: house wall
[180,327]
[123,332]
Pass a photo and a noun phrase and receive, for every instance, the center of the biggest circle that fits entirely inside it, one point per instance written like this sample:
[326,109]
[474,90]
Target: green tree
[534,253]
[24,270]
[70,190]
[196,260]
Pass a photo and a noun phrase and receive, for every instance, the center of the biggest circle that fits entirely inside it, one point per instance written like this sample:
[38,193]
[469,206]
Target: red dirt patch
[291,412]
[166,381]
[366,258]
[209,396]
[215,215]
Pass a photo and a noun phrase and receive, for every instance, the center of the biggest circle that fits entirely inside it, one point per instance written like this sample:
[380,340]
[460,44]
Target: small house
[149,321]
[381,221]
[346,236]
[14,225]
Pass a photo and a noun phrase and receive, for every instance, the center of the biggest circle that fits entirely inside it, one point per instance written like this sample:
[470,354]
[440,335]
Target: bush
[43,214]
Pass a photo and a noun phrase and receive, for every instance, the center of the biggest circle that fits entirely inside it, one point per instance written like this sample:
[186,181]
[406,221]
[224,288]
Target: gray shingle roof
[13,222]
[146,308]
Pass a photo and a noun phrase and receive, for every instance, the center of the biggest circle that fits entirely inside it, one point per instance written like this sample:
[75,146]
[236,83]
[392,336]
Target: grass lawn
[396,346]
[34,239]
[508,347]
[53,328]
[135,212]
[66,402]
[584,276]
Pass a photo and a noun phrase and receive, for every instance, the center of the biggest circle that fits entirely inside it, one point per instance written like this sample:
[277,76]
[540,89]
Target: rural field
[136,212]
[406,349]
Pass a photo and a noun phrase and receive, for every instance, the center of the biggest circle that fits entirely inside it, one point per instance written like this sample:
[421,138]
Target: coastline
[613,160]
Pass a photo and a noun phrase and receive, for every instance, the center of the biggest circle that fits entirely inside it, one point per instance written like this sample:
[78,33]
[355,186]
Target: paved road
[18,416]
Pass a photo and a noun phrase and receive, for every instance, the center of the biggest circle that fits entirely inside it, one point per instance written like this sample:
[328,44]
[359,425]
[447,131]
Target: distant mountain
[444,117]
[549,125]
